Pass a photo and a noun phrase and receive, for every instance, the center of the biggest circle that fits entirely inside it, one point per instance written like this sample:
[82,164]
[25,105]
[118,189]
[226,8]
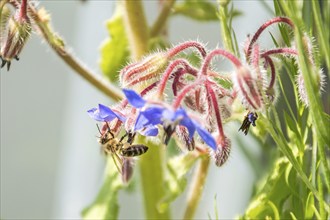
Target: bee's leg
[122,138]
[98,128]
[109,130]
[131,137]
[116,158]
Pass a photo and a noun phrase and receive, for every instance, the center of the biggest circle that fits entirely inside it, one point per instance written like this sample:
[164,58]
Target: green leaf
[105,205]
[274,192]
[294,135]
[178,167]
[293,216]
[114,50]
[200,10]
[309,211]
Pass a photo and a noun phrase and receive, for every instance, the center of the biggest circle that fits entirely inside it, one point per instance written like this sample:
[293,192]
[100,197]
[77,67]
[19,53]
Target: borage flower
[153,114]
[105,114]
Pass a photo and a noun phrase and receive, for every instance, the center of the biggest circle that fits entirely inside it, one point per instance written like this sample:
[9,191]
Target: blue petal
[108,115]
[169,115]
[104,113]
[134,99]
[151,116]
[140,122]
[187,122]
[207,137]
[150,131]
[94,114]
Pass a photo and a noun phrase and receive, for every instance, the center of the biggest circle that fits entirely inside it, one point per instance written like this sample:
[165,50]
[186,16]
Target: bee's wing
[244,124]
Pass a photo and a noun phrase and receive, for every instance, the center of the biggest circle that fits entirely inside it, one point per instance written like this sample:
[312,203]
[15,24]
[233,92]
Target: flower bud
[222,152]
[18,32]
[4,18]
[318,75]
[320,78]
[183,134]
[148,70]
[250,88]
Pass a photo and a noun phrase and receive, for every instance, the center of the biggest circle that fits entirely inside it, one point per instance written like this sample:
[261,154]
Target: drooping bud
[320,78]
[18,32]
[4,19]
[222,152]
[147,70]
[318,74]
[183,134]
[249,88]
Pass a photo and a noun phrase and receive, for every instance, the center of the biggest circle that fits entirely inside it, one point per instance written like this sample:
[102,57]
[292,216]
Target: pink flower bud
[320,78]
[222,153]
[318,75]
[18,30]
[249,88]
[147,70]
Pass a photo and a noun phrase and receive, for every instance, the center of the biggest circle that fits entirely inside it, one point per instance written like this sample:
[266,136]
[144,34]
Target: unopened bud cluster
[15,28]
[175,98]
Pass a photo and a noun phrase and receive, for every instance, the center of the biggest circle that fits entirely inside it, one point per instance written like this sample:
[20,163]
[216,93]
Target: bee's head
[252,117]
[105,137]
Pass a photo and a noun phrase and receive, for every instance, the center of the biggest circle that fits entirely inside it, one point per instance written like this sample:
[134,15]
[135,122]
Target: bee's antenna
[98,128]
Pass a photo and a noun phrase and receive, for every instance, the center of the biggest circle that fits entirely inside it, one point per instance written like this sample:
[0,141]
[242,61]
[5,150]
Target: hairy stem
[205,66]
[197,187]
[177,101]
[58,45]
[324,45]
[262,28]
[169,70]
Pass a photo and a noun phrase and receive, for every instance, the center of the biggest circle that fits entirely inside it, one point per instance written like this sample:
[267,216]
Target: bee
[118,149]
[249,119]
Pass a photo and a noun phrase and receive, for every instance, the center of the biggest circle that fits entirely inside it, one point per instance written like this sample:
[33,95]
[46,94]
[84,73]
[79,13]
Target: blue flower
[134,99]
[153,115]
[104,113]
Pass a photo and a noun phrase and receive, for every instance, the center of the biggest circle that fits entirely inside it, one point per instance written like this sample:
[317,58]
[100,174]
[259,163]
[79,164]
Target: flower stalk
[151,165]
[197,186]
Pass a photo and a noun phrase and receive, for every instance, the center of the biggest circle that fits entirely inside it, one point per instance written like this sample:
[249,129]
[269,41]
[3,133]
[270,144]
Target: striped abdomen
[134,150]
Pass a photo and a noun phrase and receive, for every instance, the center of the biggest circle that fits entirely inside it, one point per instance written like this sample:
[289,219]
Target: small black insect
[249,119]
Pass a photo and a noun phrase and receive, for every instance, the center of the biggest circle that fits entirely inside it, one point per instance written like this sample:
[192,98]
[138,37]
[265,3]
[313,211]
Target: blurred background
[51,166]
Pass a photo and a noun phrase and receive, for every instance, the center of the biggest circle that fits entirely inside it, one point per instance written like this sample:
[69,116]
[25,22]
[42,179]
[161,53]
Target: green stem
[160,22]
[312,89]
[279,139]
[197,187]
[106,88]
[151,164]
[58,45]
[152,181]
[324,44]
[225,29]
[320,187]
[315,104]
[137,27]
